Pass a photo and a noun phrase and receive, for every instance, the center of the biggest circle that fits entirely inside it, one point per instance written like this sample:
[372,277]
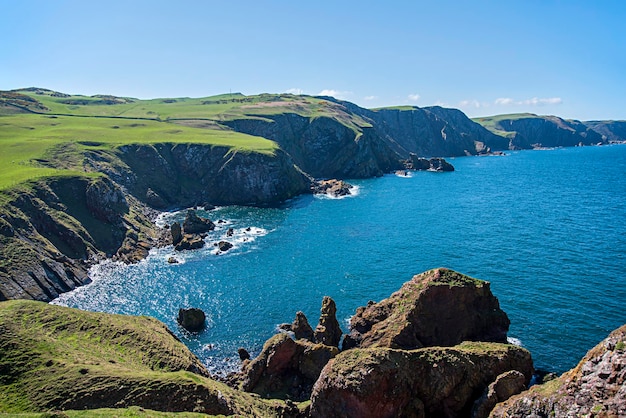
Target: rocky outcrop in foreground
[428,382]
[396,371]
[595,387]
[438,307]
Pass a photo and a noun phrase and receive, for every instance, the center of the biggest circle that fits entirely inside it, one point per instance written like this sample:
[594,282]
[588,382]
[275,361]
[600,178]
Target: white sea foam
[405,174]
[514,341]
[354,191]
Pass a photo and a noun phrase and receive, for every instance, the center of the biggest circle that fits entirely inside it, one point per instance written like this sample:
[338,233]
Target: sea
[547,229]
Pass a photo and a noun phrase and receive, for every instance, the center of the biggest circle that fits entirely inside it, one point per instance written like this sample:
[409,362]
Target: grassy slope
[492,122]
[27,139]
[52,357]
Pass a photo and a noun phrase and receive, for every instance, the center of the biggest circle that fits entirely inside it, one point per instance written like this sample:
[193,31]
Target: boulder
[285,369]
[192,319]
[177,233]
[224,246]
[506,385]
[301,328]
[427,382]
[243,354]
[333,187]
[190,242]
[194,224]
[439,307]
[328,331]
[439,164]
[595,387]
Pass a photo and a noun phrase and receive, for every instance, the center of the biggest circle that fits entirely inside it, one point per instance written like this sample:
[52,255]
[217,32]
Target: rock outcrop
[506,385]
[428,382]
[425,164]
[285,369]
[301,328]
[328,331]
[438,307]
[595,387]
[192,319]
[332,187]
[194,224]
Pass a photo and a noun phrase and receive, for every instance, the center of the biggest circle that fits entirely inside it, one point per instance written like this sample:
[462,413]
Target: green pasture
[26,141]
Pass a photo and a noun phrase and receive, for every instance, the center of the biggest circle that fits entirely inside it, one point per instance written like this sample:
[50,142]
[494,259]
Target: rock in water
[191,319]
[595,387]
[190,242]
[439,307]
[243,354]
[301,328]
[196,225]
[177,233]
[328,331]
[332,187]
[224,246]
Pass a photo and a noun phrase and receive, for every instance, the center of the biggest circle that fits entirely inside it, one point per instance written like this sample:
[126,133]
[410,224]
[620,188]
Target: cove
[547,229]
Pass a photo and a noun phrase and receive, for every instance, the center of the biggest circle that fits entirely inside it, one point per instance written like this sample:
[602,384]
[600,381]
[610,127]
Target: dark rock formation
[427,382]
[285,368]
[192,319]
[196,225]
[333,187]
[190,242]
[423,164]
[177,233]
[328,331]
[224,246]
[243,354]
[301,328]
[595,387]
[506,385]
[439,307]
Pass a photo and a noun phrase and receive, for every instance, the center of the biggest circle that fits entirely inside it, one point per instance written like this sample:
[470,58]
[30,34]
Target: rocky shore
[435,348]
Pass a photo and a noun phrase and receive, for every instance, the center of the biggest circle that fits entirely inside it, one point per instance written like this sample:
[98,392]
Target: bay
[547,229]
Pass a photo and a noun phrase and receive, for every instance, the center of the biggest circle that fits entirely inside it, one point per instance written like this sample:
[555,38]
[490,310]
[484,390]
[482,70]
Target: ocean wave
[514,341]
[354,192]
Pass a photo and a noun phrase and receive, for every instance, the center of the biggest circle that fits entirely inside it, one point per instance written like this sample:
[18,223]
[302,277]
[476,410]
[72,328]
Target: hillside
[527,130]
[56,358]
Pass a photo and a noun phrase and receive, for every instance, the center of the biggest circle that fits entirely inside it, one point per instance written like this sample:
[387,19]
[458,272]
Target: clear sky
[566,58]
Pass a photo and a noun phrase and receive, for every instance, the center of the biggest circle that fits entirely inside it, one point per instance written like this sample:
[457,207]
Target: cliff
[56,358]
[527,131]
[595,387]
[611,130]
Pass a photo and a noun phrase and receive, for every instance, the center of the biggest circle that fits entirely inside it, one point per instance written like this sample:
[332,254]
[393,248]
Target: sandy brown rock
[301,328]
[595,387]
[427,382]
[439,307]
[506,385]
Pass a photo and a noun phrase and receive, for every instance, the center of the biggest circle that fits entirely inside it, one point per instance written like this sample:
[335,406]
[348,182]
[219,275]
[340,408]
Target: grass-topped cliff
[56,358]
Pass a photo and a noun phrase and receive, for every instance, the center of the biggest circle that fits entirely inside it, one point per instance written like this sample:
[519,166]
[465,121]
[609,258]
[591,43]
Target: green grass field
[34,122]
[27,139]
[492,122]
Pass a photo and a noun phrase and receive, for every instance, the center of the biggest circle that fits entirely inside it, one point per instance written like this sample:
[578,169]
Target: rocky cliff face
[324,147]
[595,387]
[547,131]
[52,232]
[434,131]
[611,131]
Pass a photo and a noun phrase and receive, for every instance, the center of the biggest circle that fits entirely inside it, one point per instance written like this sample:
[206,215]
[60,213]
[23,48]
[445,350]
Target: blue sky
[566,58]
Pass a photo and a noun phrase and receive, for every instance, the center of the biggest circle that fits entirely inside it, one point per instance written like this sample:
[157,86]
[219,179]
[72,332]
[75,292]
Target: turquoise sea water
[546,228]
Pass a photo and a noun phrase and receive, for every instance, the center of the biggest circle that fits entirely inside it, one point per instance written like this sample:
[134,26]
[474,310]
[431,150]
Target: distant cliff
[527,131]
[611,131]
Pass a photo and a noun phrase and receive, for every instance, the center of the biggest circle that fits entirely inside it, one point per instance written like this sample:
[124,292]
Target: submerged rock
[224,246]
[595,387]
[439,307]
[427,382]
[328,331]
[192,319]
